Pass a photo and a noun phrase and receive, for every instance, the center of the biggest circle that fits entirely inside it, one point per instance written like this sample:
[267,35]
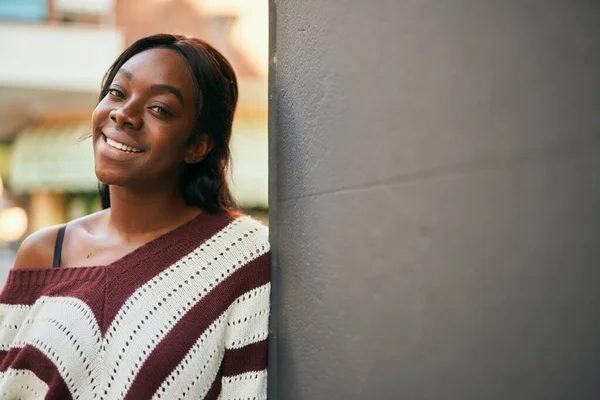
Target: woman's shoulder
[37,250]
[239,254]
[252,230]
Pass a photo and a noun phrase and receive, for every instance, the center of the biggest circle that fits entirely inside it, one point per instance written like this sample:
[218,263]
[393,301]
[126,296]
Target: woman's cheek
[101,111]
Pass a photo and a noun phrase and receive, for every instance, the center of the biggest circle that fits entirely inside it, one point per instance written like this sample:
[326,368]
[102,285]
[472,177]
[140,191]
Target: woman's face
[141,127]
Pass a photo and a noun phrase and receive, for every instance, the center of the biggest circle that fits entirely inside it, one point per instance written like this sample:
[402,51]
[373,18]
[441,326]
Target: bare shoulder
[37,249]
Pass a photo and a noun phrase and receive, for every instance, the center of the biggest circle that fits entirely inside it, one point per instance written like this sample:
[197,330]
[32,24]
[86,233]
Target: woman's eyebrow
[160,87]
[126,73]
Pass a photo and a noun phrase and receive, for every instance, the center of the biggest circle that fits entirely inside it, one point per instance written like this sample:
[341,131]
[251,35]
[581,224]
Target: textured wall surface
[435,199]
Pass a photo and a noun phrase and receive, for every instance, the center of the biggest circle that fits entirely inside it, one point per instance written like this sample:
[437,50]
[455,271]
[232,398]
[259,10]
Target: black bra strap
[58,246]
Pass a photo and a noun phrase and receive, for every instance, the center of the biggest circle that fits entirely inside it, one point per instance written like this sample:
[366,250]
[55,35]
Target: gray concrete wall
[435,199]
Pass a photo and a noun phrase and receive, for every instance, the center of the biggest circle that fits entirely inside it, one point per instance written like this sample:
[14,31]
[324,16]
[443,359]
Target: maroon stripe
[7,358]
[32,359]
[173,348]
[146,262]
[252,357]
[21,287]
[25,287]
[215,389]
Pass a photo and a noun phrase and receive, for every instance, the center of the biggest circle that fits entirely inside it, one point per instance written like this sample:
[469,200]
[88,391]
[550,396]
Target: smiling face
[142,126]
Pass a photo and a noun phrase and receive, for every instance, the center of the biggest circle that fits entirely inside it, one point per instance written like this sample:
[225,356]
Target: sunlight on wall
[251,32]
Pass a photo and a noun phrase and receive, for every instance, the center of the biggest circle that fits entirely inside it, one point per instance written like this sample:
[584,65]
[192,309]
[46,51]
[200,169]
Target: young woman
[165,293]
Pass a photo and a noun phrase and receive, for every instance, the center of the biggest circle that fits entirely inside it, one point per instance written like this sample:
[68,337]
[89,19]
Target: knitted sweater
[183,317]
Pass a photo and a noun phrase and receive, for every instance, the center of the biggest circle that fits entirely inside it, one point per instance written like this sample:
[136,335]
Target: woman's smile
[121,146]
[116,150]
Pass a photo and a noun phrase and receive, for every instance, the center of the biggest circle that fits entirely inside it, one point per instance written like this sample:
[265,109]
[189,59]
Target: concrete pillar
[435,199]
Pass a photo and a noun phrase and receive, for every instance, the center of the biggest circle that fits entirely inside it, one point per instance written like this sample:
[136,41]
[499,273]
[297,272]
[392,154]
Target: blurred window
[23,10]
[89,12]
[85,7]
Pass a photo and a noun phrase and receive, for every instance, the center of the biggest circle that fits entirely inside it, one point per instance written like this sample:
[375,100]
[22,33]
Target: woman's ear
[195,152]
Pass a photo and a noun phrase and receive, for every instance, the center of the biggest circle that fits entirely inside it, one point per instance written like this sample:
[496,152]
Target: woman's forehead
[158,66]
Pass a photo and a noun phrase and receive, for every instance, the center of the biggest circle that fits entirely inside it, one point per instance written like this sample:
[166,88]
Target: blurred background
[53,55]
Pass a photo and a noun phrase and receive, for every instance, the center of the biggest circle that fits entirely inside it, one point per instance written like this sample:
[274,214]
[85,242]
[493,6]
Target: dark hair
[204,184]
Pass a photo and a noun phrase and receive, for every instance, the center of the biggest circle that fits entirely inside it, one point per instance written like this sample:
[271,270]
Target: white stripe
[148,315]
[249,320]
[251,385]
[193,377]
[21,384]
[11,319]
[183,384]
[65,330]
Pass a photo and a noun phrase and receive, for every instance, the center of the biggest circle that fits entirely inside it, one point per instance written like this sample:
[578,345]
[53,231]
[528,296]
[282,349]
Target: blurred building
[54,55]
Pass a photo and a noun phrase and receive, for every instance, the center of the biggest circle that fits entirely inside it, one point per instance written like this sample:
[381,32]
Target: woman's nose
[126,115]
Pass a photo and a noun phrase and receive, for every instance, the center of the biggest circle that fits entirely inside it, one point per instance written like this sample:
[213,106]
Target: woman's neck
[134,212]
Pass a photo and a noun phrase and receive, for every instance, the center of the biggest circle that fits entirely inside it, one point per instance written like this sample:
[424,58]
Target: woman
[165,293]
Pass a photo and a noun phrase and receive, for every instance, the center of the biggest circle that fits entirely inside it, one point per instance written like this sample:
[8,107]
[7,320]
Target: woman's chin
[109,177]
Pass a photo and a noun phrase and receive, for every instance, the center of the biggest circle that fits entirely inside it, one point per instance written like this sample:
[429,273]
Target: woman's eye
[160,111]
[115,93]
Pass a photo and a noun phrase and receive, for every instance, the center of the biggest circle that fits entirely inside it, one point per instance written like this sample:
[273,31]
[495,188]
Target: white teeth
[121,146]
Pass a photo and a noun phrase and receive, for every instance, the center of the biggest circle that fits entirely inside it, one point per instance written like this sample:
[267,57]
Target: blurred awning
[53,157]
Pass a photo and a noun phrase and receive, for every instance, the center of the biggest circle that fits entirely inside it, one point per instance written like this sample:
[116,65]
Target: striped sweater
[183,317]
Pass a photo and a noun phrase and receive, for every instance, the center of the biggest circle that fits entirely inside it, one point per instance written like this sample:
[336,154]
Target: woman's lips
[122,146]
[117,151]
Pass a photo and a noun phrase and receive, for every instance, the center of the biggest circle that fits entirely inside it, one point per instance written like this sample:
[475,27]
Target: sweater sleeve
[245,359]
